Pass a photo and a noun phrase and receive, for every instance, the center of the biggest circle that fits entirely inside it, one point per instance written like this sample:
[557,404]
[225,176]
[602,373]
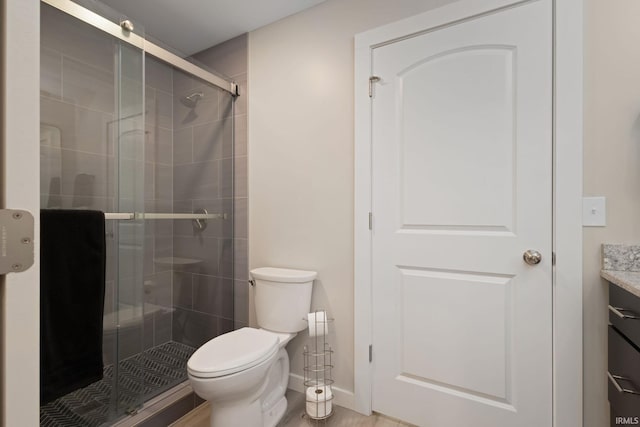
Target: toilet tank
[282,298]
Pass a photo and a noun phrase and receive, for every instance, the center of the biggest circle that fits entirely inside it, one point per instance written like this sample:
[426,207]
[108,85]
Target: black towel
[72,282]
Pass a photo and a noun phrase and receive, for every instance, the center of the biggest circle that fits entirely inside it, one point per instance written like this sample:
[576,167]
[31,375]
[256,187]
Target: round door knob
[532,257]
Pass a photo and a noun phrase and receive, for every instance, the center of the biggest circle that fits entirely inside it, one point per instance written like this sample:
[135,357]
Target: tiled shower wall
[187,273]
[202,179]
[230,58]
[79,112]
[189,290]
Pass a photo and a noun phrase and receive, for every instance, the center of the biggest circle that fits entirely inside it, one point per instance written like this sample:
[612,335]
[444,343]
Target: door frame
[20,188]
[567,193]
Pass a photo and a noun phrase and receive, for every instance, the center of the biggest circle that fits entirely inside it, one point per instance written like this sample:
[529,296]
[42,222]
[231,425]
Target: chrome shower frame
[125,31]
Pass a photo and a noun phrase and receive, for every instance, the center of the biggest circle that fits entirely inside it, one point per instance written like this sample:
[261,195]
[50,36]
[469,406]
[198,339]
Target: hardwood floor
[295,417]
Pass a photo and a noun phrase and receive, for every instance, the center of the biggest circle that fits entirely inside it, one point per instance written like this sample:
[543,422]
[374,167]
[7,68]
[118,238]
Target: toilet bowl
[244,373]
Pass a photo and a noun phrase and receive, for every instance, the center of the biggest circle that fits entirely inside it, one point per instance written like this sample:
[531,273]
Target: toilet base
[243,415]
[273,416]
[248,415]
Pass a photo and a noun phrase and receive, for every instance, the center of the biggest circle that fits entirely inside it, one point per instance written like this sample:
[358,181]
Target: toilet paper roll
[319,401]
[318,324]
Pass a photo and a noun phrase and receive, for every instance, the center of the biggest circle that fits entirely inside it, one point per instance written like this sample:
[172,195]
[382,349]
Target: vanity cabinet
[624,356]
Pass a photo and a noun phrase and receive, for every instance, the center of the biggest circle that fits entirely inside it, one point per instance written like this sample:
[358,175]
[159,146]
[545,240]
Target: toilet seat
[232,352]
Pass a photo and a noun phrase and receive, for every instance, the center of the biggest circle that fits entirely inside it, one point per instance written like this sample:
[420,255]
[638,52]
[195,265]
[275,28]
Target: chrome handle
[199,225]
[532,257]
[614,379]
[619,312]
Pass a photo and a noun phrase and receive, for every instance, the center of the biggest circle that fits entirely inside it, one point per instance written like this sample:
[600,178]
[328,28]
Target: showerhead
[192,100]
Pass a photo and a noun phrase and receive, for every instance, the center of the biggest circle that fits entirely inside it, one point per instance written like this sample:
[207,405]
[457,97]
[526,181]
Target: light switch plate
[594,211]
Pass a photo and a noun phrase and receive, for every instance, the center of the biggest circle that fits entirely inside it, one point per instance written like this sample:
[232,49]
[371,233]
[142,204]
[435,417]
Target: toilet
[244,373]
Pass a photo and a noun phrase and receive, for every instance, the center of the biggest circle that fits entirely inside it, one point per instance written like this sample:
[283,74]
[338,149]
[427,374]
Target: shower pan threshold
[162,366]
[164,409]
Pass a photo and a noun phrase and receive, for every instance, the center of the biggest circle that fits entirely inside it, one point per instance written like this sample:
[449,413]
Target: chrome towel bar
[153,215]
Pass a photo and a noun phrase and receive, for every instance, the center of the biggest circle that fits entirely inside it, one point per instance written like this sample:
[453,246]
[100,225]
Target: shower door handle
[16,240]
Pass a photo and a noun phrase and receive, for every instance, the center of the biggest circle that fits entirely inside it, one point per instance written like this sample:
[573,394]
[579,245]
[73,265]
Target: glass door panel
[203,171]
[92,157]
[130,172]
[128,134]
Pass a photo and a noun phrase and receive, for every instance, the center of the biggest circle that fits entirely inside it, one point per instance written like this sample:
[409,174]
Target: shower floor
[146,374]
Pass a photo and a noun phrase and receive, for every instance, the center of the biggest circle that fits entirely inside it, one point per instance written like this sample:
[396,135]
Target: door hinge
[16,240]
[553,258]
[370,221]
[372,80]
[370,353]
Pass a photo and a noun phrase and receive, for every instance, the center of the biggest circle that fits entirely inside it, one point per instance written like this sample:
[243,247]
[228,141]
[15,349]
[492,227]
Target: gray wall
[202,178]
[230,58]
[77,104]
[78,98]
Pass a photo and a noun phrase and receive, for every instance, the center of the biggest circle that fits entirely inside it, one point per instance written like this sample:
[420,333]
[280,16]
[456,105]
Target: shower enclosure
[133,130]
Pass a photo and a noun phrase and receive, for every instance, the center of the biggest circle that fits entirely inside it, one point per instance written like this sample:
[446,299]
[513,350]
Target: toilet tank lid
[232,352]
[285,275]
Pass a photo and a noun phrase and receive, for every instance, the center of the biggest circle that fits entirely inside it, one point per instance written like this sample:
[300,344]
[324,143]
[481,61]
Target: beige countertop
[627,280]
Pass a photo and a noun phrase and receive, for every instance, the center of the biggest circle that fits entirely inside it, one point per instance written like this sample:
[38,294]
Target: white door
[462,187]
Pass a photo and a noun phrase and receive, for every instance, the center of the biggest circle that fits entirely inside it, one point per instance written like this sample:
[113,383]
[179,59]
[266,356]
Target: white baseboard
[341,397]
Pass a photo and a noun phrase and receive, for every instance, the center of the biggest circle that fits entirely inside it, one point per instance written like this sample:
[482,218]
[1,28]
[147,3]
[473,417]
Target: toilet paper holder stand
[318,371]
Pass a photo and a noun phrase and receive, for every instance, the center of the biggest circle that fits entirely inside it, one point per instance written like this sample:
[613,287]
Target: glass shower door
[152,146]
[129,381]
[92,158]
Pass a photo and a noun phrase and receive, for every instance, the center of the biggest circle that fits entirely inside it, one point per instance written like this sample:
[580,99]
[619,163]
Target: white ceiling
[193,25]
